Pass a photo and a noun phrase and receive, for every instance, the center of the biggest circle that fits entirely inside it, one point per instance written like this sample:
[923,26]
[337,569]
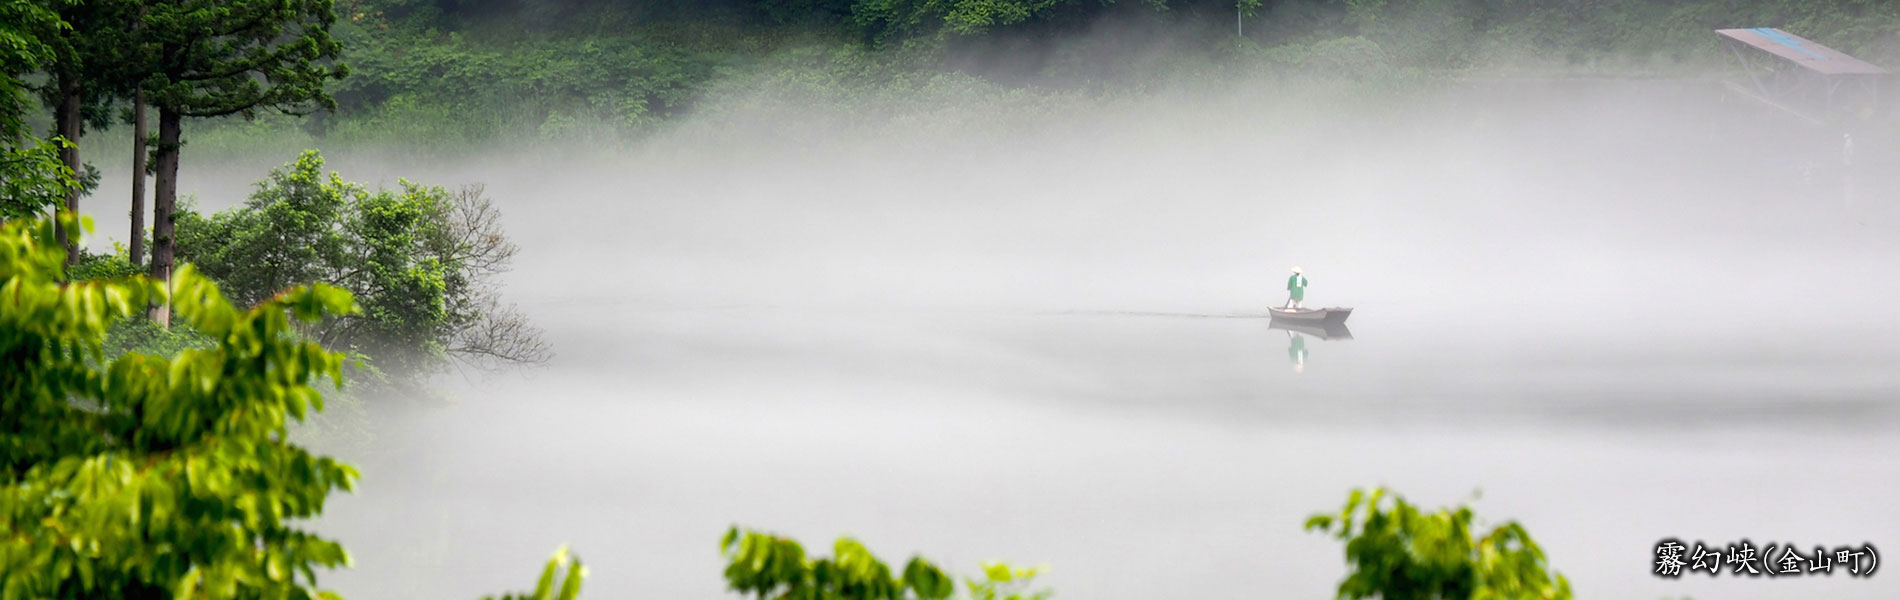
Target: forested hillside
[443,73]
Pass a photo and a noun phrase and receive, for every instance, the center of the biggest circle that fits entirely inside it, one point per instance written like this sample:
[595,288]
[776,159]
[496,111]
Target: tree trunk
[67,120]
[138,178]
[164,200]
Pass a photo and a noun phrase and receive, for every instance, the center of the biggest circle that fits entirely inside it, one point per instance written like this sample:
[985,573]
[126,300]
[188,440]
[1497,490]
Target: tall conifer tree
[213,58]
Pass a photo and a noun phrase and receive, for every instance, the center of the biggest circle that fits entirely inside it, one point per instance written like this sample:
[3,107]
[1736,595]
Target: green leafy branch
[1396,551]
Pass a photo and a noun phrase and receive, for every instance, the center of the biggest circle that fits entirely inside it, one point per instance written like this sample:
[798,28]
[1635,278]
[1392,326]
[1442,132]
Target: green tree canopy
[211,58]
[25,26]
[420,259]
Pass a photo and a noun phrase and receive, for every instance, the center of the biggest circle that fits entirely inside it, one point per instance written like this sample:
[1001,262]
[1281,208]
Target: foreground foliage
[1397,552]
[141,476]
[1004,582]
[770,566]
[552,586]
[128,475]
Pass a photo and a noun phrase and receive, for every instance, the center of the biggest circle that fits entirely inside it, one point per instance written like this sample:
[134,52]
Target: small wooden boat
[1331,315]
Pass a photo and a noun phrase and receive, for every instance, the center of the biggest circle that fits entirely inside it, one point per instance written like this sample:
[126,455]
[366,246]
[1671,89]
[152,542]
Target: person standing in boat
[1295,289]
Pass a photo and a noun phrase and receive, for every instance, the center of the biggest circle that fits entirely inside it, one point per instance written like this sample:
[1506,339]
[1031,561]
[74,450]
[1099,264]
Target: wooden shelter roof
[1802,51]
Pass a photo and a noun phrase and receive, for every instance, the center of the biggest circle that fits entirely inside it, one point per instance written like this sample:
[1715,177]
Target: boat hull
[1319,316]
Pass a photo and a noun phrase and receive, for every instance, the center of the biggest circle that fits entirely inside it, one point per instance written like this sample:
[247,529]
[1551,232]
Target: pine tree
[213,58]
[88,71]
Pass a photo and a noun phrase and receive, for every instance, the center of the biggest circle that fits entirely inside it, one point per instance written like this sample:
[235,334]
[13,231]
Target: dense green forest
[442,75]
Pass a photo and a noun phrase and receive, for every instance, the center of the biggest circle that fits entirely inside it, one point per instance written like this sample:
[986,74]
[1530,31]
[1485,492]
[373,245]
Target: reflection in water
[1296,334]
[1333,331]
[1297,351]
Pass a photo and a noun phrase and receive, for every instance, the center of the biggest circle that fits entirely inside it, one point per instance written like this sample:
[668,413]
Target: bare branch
[501,335]
[475,226]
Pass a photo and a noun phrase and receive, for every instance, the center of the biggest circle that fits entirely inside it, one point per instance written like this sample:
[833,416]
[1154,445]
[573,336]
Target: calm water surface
[1141,456]
[1622,312]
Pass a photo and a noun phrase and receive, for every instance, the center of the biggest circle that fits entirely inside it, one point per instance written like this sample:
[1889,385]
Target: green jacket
[1296,286]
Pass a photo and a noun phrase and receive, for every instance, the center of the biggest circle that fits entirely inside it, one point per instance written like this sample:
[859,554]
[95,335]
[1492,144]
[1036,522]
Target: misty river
[1622,312]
